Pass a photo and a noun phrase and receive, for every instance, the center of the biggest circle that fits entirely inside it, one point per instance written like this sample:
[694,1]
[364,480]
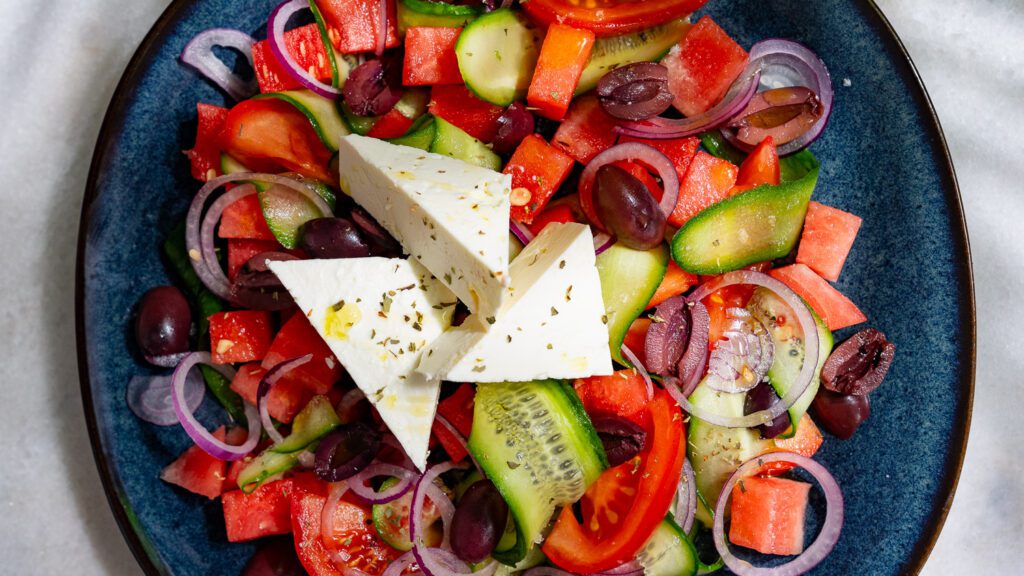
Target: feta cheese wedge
[449,215]
[552,325]
[378,315]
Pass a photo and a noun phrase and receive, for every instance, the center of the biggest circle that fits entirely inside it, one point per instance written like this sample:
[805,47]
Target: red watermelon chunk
[197,471]
[243,218]
[837,310]
[460,107]
[827,238]
[284,400]
[305,46]
[297,338]
[205,155]
[586,131]
[264,512]
[702,67]
[708,180]
[768,515]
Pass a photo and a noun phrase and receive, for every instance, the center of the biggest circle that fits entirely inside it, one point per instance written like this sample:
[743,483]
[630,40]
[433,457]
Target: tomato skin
[205,155]
[558,213]
[458,410]
[271,135]
[761,166]
[679,150]
[353,26]
[391,125]
[243,219]
[610,18]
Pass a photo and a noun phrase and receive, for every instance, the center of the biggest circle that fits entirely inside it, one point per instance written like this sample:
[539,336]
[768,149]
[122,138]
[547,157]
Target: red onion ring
[201,436]
[198,54]
[822,545]
[686,498]
[810,335]
[747,346]
[149,397]
[639,367]
[279,48]
[522,232]
[734,101]
[399,565]
[649,156]
[437,561]
[334,495]
[359,483]
[630,568]
[382,38]
[215,279]
[266,383]
[602,242]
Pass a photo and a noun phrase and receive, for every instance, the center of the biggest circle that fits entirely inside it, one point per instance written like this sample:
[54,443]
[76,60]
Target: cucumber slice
[497,54]
[440,8]
[644,46]
[286,210]
[322,113]
[451,140]
[228,165]
[628,280]
[357,124]
[421,135]
[408,18]
[535,442]
[767,308]
[391,520]
[265,466]
[669,552]
[755,226]
[715,451]
[315,421]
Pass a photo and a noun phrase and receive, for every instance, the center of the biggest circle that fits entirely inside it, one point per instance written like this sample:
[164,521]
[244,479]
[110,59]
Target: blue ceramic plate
[883,157]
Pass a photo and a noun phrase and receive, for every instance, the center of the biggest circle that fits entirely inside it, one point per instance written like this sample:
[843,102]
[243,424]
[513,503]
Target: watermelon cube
[827,238]
[703,66]
[835,309]
[768,515]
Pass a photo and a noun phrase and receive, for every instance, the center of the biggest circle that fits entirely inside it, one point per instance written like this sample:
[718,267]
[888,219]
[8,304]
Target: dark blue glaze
[882,158]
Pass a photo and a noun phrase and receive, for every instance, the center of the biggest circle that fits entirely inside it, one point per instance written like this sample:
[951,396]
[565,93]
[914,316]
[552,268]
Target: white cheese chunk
[449,215]
[378,315]
[552,325]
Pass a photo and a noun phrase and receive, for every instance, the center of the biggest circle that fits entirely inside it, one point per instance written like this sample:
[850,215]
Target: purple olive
[257,287]
[514,124]
[479,522]
[163,322]
[782,113]
[379,240]
[627,209]
[345,451]
[622,439]
[761,397]
[335,237]
[858,365]
[636,91]
[840,414]
[276,558]
[374,87]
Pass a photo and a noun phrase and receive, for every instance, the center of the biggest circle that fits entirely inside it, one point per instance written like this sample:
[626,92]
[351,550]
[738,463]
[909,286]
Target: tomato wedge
[269,134]
[610,17]
[627,503]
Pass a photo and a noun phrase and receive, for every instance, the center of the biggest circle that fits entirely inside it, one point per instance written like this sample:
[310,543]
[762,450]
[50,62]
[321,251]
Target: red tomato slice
[205,155]
[266,134]
[761,166]
[610,17]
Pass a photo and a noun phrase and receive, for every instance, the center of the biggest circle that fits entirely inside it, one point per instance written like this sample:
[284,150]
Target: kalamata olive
[479,522]
[782,113]
[257,287]
[162,322]
[514,124]
[627,209]
[840,414]
[759,398]
[858,365]
[374,87]
[276,558]
[345,451]
[379,240]
[668,336]
[622,439]
[636,91]
[334,237]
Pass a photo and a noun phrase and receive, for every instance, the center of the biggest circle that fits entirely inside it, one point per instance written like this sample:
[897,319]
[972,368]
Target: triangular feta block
[378,315]
[449,215]
[552,325]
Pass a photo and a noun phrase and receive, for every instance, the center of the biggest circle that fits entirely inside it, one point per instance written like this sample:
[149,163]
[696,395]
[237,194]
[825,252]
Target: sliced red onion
[382,22]
[631,568]
[436,561]
[198,54]
[215,278]
[306,459]
[645,154]
[602,242]
[822,545]
[334,495]
[165,361]
[400,564]
[149,397]
[742,359]
[266,383]
[200,435]
[279,47]
[359,483]
[522,232]
[810,336]
[734,101]
[686,498]
[639,367]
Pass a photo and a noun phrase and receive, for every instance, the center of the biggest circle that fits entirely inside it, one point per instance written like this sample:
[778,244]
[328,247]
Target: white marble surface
[59,63]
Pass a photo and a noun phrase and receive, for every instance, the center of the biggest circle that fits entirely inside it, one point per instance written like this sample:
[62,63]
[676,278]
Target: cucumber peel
[451,140]
[628,280]
[647,45]
[497,55]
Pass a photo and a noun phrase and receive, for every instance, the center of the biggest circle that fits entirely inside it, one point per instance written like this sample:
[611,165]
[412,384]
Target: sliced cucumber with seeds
[451,140]
[628,280]
[644,46]
[420,135]
[391,520]
[535,442]
[286,210]
[497,54]
[669,552]
[322,113]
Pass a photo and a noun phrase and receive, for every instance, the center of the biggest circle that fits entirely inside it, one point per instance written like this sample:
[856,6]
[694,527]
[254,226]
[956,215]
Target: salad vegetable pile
[499,289]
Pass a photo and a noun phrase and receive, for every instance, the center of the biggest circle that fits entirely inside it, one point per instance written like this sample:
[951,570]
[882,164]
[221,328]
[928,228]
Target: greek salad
[529,288]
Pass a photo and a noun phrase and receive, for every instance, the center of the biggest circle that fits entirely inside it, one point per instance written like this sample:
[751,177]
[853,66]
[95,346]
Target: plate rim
[114,118]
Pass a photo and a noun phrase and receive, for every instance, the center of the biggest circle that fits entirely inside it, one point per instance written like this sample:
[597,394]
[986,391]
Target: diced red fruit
[241,250]
[537,170]
[679,150]
[457,409]
[703,67]
[563,55]
[270,135]
[391,125]
[676,281]
[306,510]
[296,338]
[735,296]
[205,155]
[240,336]
[636,338]
[560,213]
[264,512]
[768,515]
[353,25]
[244,219]
[623,394]
[826,240]
[586,131]
[761,166]
[708,180]
[197,471]
[460,107]
[305,45]
[430,56]
[805,442]
[285,399]
[835,309]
